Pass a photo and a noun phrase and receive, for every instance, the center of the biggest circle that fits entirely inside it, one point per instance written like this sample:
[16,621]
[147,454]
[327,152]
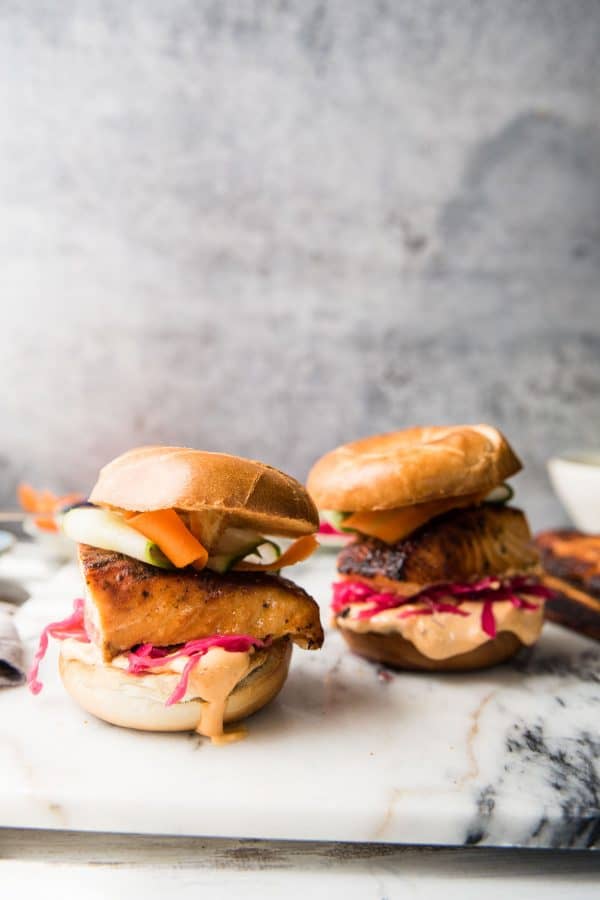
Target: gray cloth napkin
[12,661]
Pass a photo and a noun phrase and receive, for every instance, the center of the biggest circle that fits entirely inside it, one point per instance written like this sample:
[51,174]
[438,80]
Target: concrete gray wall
[272,227]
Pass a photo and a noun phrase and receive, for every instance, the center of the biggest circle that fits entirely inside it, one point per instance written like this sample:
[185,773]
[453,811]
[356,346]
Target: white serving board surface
[509,756]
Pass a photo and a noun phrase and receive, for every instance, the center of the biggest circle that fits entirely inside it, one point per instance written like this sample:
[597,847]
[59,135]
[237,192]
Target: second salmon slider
[441,574]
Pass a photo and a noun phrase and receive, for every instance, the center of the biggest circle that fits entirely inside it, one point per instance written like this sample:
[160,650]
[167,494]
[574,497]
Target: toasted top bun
[387,471]
[250,492]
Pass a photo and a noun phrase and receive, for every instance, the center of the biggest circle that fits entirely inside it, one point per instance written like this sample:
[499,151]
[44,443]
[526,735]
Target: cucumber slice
[108,531]
[276,554]
[337,519]
[220,563]
[261,551]
[236,544]
[501,494]
[238,540]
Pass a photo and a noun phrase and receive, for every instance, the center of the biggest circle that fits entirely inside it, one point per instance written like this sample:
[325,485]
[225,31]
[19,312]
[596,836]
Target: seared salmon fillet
[462,544]
[129,603]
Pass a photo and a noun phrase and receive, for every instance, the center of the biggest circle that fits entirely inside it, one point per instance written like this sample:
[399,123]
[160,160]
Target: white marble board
[348,752]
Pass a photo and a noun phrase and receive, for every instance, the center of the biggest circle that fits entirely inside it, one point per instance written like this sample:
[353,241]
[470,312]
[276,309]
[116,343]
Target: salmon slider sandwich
[186,622]
[441,574]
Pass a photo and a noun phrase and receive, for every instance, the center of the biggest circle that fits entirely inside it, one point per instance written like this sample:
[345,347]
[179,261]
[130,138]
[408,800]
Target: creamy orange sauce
[211,681]
[442,635]
[230,737]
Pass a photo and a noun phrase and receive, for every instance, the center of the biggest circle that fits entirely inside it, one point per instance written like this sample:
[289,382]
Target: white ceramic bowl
[576,479]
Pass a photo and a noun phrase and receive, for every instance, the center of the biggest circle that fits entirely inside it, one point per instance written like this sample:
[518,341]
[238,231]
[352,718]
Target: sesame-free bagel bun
[122,699]
[395,651]
[252,493]
[418,465]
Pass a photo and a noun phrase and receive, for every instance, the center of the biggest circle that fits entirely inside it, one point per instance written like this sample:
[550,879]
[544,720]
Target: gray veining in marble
[508,756]
[270,227]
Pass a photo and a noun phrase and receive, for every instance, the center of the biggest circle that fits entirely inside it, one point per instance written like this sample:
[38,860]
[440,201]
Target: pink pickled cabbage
[327,528]
[487,590]
[146,657]
[71,627]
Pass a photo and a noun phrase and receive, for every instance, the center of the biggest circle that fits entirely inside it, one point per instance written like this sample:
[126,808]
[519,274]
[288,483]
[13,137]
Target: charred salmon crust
[572,607]
[136,603]
[573,557]
[462,544]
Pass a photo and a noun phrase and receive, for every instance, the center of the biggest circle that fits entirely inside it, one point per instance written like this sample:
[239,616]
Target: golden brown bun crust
[417,465]
[398,653]
[110,694]
[257,495]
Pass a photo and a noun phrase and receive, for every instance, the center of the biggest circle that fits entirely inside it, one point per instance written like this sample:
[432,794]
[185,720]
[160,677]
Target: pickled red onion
[71,627]
[147,656]
[488,622]
[327,528]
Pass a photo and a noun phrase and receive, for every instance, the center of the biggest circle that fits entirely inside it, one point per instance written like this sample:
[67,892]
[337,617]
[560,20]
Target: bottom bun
[114,695]
[397,652]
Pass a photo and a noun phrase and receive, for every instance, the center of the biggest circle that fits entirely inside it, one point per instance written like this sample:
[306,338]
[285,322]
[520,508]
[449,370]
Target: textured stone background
[271,227]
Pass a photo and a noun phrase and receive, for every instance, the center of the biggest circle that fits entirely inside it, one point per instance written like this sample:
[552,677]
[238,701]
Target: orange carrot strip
[46,501]
[165,528]
[28,497]
[45,523]
[392,525]
[295,553]
[43,501]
